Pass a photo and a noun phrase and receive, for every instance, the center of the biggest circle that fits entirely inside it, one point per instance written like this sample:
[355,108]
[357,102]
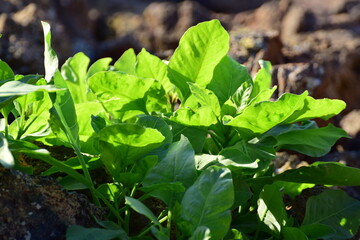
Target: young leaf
[228,76]
[312,142]
[126,63]
[177,166]
[335,209]
[262,80]
[142,209]
[263,116]
[98,66]
[200,49]
[74,73]
[205,98]
[76,232]
[51,61]
[6,158]
[157,123]
[150,66]
[199,117]
[207,203]
[271,209]
[324,173]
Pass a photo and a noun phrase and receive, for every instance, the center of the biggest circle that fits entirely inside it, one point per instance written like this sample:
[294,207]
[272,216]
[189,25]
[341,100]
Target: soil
[314,45]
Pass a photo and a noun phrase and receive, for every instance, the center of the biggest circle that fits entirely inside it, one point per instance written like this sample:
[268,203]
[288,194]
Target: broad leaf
[201,233]
[126,63]
[115,90]
[265,115]
[335,209]
[262,80]
[98,66]
[74,73]
[17,88]
[177,166]
[207,203]
[200,49]
[228,76]
[312,142]
[122,144]
[51,61]
[150,66]
[271,209]
[293,233]
[159,124]
[323,173]
[6,73]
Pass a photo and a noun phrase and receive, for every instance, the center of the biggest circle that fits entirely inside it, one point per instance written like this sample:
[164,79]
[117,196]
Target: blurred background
[313,45]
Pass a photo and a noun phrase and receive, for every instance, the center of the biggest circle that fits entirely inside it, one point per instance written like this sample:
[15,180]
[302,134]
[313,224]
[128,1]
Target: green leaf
[293,233]
[51,61]
[205,98]
[122,144]
[159,124]
[195,135]
[207,203]
[200,117]
[249,157]
[64,114]
[271,209]
[177,166]
[318,108]
[265,115]
[76,232]
[6,158]
[17,88]
[6,73]
[114,90]
[262,80]
[201,233]
[324,173]
[317,231]
[98,66]
[335,209]
[200,49]
[312,142]
[142,209]
[228,76]
[242,96]
[150,66]
[293,189]
[74,73]
[126,63]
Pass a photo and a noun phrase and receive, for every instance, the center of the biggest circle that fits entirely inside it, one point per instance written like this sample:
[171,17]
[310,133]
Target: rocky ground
[314,45]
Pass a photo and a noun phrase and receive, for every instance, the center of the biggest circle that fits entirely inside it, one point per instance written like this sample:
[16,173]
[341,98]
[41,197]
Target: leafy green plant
[188,144]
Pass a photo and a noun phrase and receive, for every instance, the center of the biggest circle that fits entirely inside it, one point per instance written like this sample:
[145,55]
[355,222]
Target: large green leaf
[265,115]
[76,232]
[312,142]
[323,173]
[207,203]
[201,233]
[74,73]
[228,77]
[98,66]
[205,98]
[200,49]
[262,80]
[122,144]
[51,61]
[318,108]
[151,66]
[6,73]
[126,63]
[6,158]
[115,90]
[157,123]
[177,166]
[335,209]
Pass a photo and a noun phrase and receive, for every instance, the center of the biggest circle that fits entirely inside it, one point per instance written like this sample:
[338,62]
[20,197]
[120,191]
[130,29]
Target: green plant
[188,143]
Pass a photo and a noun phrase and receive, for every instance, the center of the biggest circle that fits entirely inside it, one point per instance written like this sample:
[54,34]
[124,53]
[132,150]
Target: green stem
[168,225]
